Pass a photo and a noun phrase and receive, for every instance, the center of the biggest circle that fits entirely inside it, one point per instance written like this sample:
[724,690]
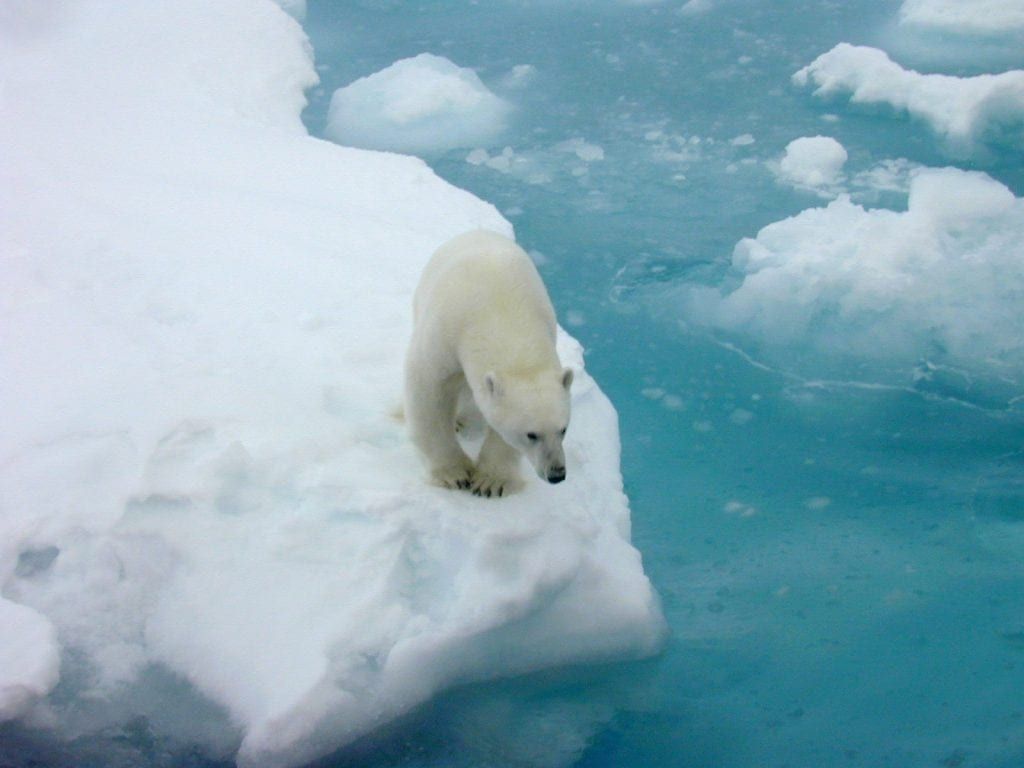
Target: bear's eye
[562,433]
[531,436]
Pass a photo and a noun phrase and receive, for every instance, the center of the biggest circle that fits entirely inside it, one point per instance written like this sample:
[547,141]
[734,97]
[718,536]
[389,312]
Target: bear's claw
[490,486]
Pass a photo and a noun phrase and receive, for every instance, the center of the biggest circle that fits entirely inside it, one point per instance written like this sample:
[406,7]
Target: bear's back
[482,273]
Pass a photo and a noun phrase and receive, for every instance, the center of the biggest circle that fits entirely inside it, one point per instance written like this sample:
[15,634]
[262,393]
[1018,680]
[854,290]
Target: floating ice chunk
[813,162]
[531,168]
[503,162]
[584,150]
[696,7]
[740,417]
[997,17]
[673,402]
[942,279]
[962,110]
[676,148]
[739,508]
[951,35]
[510,162]
[519,76]
[425,104]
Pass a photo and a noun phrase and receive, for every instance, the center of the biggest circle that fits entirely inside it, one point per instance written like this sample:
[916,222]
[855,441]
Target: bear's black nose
[556,474]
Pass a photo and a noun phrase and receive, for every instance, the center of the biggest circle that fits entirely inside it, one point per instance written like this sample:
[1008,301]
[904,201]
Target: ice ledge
[197,442]
[337,608]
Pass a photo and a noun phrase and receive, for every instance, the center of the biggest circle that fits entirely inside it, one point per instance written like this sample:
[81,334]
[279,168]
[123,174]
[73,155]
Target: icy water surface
[838,542]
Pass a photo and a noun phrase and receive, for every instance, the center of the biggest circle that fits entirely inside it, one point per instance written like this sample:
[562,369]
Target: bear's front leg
[457,474]
[430,409]
[497,468]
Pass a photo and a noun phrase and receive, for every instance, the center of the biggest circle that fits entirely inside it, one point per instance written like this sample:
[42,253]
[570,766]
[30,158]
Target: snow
[998,17]
[940,281]
[28,658]
[961,110]
[205,313]
[425,104]
[813,162]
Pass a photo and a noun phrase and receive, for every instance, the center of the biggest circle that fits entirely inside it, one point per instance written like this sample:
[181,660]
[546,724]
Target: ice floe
[421,105]
[940,281]
[961,110]
[813,162]
[202,479]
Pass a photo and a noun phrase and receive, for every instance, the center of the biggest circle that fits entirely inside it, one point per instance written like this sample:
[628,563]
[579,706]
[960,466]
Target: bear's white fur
[482,320]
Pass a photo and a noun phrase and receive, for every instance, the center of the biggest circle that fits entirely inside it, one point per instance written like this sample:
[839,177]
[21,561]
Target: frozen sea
[815,349]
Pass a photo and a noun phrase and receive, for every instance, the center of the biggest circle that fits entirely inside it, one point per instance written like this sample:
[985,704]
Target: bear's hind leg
[497,468]
[469,422]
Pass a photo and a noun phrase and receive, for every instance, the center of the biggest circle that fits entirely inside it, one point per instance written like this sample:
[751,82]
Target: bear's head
[531,413]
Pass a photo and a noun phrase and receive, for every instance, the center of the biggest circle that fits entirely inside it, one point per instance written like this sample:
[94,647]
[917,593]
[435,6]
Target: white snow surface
[998,17]
[962,110]
[813,162]
[204,314]
[422,105]
[939,281]
[29,660]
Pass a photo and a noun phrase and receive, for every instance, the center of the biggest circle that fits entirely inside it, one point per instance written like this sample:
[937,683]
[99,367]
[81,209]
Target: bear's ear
[492,383]
[567,378]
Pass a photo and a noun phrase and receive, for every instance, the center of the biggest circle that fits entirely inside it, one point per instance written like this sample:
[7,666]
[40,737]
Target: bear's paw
[494,485]
[456,476]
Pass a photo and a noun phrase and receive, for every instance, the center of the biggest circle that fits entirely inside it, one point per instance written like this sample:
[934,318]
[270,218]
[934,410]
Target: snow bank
[941,281]
[813,162]
[988,17]
[204,314]
[422,105]
[962,110]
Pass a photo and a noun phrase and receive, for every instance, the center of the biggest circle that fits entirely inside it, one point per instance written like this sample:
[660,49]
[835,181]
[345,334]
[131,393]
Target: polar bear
[483,325]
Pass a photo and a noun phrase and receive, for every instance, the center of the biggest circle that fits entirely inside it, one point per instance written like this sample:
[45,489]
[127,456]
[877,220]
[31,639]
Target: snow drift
[204,314]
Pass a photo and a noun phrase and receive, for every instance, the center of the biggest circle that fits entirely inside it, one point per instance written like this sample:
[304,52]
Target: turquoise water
[841,564]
